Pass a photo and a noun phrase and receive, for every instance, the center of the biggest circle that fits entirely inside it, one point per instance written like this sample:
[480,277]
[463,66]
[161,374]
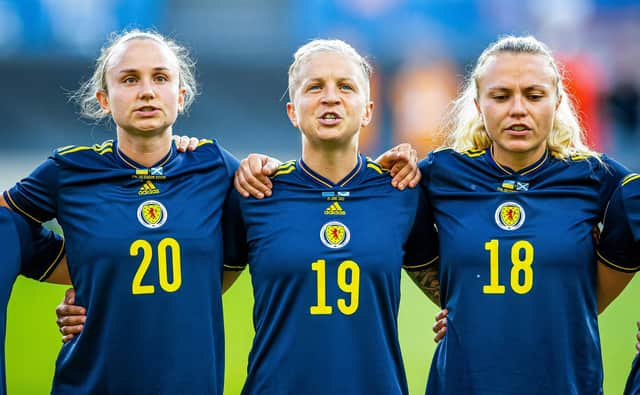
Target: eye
[347,87]
[535,96]
[313,87]
[499,97]
[129,80]
[162,78]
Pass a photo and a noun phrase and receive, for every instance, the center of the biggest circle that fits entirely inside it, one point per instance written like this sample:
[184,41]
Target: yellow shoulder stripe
[285,168]
[204,141]
[101,149]
[473,153]
[629,178]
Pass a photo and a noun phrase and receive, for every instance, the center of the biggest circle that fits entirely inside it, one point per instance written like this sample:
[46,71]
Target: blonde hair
[338,46]
[85,96]
[466,129]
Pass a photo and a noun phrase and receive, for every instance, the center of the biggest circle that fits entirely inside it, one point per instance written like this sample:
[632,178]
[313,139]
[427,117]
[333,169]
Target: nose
[518,108]
[147,90]
[331,95]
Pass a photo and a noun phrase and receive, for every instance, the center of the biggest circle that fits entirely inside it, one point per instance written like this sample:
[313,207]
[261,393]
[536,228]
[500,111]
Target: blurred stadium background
[420,49]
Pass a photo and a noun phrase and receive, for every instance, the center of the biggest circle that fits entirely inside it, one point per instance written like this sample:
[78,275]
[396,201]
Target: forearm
[428,280]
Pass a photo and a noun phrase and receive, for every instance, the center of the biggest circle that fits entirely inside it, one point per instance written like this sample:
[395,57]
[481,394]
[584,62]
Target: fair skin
[329,107]
[143,97]
[517,102]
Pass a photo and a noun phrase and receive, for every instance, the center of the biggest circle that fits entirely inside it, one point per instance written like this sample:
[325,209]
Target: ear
[103,100]
[291,112]
[181,95]
[367,116]
[475,101]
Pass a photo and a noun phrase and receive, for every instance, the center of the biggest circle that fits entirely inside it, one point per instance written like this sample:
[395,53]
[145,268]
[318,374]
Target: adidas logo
[334,209]
[148,189]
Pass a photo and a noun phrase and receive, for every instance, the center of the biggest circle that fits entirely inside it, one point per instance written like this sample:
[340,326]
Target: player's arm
[71,317]
[252,177]
[228,278]
[428,280]
[619,243]
[610,284]
[60,275]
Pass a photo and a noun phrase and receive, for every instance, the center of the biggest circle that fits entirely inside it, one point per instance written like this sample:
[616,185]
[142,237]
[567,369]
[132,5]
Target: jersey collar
[327,183]
[135,165]
[527,170]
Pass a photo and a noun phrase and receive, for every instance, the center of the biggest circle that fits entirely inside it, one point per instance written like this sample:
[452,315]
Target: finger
[71,320]
[245,187]
[70,296]
[64,310]
[193,143]
[404,174]
[71,329]
[238,185]
[416,179]
[440,335]
[67,338]
[442,314]
[638,324]
[184,143]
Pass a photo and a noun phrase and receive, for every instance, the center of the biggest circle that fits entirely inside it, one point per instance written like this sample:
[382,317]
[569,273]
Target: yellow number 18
[521,261]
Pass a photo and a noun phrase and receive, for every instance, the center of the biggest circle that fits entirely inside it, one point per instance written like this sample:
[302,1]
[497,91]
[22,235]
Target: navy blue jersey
[145,254]
[619,246]
[516,248]
[620,239]
[633,382]
[325,262]
[29,250]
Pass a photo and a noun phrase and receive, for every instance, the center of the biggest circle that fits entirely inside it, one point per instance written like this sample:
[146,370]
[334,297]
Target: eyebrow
[528,88]
[126,71]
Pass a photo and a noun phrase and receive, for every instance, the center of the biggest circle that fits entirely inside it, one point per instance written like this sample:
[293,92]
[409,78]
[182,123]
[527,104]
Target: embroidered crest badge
[152,214]
[335,234]
[510,216]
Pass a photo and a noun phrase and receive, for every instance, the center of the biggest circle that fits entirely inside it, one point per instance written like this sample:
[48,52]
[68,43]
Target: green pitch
[33,340]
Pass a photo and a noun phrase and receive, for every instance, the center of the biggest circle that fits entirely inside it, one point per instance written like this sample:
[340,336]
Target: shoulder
[285,169]
[82,151]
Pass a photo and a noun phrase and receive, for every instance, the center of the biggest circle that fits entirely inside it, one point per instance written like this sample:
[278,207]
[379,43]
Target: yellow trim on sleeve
[617,267]
[26,214]
[55,262]
[421,265]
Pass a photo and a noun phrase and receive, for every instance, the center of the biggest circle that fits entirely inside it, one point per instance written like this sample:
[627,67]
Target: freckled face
[517,101]
[329,99]
[143,93]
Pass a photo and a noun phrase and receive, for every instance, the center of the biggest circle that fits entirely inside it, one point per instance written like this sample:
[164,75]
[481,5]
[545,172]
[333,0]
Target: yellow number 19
[352,287]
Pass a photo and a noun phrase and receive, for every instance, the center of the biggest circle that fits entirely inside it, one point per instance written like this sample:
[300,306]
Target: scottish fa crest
[510,216]
[335,234]
[152,214]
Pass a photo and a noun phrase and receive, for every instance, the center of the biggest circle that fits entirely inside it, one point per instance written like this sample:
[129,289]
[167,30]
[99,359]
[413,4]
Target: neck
[518,160]
[332,163]
[146,149]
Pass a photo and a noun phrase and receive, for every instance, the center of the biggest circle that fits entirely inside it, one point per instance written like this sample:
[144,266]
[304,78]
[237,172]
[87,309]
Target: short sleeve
[619,246]
[234,234]
[35,196]
[41,250]
[421,248]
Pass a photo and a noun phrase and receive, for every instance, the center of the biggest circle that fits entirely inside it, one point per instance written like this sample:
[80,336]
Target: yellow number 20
[352,287]
[166,244]
[521,261]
